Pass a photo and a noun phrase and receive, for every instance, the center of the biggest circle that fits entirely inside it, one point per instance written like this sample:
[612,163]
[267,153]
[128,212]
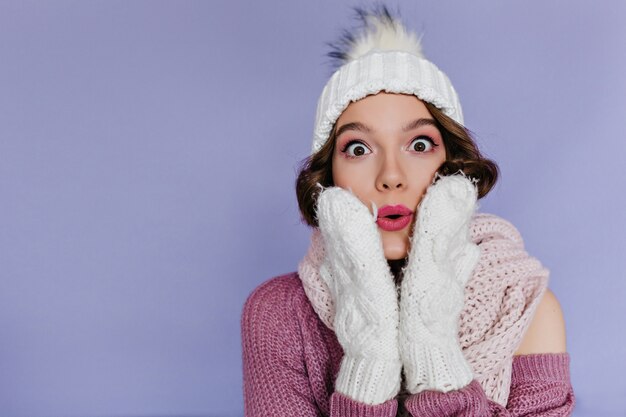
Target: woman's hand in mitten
[441,260]
[365,298]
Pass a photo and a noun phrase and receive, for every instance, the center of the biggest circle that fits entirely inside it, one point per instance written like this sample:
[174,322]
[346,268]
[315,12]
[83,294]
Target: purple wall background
[148,152]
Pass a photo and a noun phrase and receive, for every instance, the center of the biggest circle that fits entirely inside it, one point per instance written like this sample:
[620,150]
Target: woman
[408,302]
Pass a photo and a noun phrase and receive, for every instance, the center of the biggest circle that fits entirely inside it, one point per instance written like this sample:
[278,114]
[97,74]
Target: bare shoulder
[546,333]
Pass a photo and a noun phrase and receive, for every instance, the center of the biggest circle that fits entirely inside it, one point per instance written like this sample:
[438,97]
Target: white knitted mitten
[441,260]
[364,295]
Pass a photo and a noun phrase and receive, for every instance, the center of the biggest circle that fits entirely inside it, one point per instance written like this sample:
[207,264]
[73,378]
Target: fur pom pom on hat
[381,55]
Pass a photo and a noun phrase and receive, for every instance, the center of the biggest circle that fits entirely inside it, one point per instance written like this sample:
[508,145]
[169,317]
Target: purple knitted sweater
[291,360]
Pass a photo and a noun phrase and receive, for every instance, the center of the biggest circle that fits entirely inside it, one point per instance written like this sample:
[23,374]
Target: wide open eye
[422,144]
[355,149]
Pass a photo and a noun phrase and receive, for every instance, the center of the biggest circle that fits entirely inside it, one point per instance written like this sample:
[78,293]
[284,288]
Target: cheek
[422,176]
[346,175]
[354,178]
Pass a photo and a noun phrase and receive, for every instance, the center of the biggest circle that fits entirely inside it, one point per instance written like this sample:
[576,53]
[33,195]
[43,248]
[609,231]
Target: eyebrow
[361,127]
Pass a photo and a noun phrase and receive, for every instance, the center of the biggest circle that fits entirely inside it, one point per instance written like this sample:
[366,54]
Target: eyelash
[347,145]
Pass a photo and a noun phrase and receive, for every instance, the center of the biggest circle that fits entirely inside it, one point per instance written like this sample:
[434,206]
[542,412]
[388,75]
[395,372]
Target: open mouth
[394,222]
[392,218]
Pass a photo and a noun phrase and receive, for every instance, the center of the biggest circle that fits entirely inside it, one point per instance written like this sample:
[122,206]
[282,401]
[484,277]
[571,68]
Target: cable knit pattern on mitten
[441,260]
[362,287]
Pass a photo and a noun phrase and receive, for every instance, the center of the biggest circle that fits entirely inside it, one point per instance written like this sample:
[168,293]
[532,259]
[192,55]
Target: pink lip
[399,223]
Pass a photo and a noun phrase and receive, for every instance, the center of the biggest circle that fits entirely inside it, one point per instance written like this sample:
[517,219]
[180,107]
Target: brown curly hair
[461,154]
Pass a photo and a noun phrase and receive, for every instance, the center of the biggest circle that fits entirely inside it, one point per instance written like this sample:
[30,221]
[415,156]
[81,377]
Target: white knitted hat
[383,56]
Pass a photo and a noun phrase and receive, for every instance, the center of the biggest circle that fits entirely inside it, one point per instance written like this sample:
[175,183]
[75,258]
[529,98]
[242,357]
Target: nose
[391,175]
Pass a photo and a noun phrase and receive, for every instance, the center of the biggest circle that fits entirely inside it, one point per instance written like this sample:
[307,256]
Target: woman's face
[387,151]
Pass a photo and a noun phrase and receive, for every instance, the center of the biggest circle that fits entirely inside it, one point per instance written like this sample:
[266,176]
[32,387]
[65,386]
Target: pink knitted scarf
[500,299]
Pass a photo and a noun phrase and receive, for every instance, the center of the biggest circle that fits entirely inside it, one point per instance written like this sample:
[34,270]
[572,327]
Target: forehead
[385,107]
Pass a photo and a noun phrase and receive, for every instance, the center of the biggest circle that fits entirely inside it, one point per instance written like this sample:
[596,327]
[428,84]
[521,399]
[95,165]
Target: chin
[395,258]
[395,246]
[394,254]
